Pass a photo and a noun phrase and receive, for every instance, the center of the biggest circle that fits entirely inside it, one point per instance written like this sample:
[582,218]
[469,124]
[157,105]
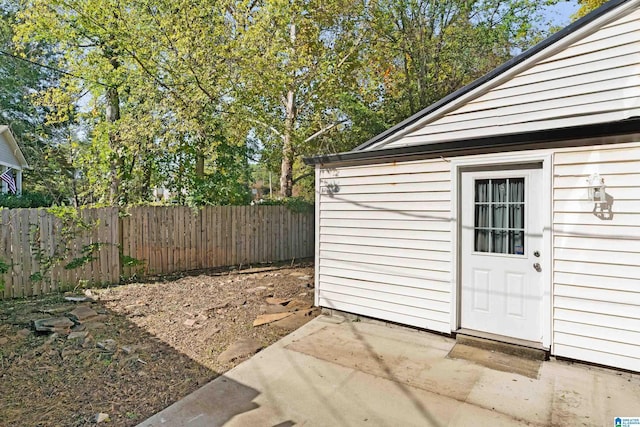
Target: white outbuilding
[509,210]
[11,157]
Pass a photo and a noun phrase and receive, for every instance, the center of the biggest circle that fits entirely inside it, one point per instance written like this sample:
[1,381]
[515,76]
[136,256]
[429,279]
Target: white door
[501,259]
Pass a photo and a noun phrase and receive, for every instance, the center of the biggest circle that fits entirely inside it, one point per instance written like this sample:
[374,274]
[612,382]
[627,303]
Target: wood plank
[179,238]
[192,245]
[170,212]
[228,233]
[215,238]
[126,240]
[5,250]
[25,257]
[205,220]
[111,233]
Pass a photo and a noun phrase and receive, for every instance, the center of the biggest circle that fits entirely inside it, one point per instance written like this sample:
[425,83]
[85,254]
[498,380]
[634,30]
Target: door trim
[503,161]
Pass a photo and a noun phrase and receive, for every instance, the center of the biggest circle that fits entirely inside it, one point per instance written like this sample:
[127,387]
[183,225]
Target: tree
[425,50]
[295,60]
[587,6]
[43,145]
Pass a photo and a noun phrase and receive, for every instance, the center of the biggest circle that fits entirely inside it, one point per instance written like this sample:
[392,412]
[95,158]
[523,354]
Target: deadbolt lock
[536,254]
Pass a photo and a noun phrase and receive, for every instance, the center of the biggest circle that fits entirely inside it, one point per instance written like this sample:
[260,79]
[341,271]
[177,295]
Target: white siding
[596,285]
[6,155]
[594,80]
[385,242]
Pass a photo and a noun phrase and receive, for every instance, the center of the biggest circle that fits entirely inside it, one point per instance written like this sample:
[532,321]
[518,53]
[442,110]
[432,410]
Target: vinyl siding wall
[385,249]
[594,80]
[385,241]
[6,155]
[596,285]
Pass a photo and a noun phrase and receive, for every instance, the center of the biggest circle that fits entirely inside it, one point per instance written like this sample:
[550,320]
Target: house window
[499,216]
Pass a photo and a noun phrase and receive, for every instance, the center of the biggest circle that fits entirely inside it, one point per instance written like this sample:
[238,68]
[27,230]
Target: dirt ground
[134,349]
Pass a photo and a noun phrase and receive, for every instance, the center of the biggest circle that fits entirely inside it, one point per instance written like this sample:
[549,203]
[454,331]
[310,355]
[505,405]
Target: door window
[499,216]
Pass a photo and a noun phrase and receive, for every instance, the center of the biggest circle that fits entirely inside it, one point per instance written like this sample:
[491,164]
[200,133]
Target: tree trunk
[200,165]
[286,168]
[113,115]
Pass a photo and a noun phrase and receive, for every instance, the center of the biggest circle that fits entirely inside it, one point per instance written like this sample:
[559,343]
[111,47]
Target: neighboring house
[11,157]
[486,213]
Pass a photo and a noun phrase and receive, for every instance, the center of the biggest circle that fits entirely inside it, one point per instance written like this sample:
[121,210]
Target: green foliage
[587,6]
[294,204]
[4,269]
[184,95]
[88,253]
[25,200]
[72,226]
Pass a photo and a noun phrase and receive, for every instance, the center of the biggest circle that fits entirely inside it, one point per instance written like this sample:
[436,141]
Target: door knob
[537,267]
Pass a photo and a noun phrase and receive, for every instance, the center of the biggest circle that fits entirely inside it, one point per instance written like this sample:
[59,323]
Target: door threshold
[509,345]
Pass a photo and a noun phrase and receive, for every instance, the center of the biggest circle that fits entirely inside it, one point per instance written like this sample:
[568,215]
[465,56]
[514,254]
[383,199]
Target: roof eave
[496,143]
[15,148]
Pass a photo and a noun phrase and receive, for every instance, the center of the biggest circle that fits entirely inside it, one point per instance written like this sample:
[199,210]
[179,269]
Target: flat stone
[128,349]
[53,324]
[93,325]
[68,352]
[270,309]
[78,328]
[78,299]
[77,335]
[263,319]
[298,319]
[278,301]
[83,313]
[298,274]
[296,304]
[102,417]
[190,322]
[58,310]
[54,336]
[241,348]
[304,277]
[107,345]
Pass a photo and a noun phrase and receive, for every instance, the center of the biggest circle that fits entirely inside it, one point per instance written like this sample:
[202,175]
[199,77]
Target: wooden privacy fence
[41,252]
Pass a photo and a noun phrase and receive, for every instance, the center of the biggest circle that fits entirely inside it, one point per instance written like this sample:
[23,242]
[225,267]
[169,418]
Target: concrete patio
[334,371]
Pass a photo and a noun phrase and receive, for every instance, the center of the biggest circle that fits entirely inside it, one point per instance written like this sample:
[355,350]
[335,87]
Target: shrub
[25,200]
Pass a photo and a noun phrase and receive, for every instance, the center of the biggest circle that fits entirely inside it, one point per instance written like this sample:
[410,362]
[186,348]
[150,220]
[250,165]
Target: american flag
[7,177]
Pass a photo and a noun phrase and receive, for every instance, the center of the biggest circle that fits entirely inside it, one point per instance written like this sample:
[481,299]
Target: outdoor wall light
[596,188]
